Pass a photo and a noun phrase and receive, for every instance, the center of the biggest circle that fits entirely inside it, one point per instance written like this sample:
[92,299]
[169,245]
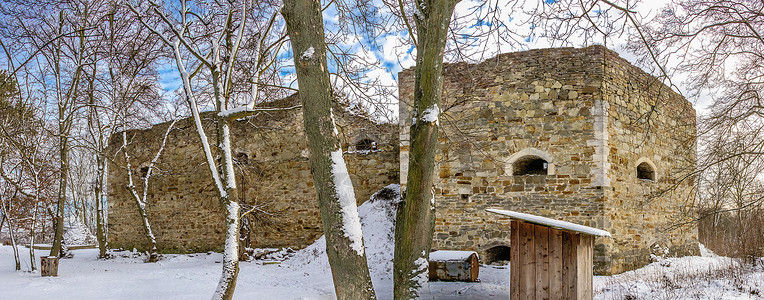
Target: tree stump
[49,265]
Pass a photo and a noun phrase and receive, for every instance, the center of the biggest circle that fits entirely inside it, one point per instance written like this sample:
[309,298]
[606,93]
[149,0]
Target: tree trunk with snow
[229,199]
[100,226]
[227,283]
[5,209]
[140,203]
[415,219]
[336,199]
[56,249]
[215,53]
[141,200]
[32,260]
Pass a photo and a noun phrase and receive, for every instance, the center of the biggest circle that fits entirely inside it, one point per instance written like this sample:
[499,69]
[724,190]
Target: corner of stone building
[647,122]
[600,170]
[603,248]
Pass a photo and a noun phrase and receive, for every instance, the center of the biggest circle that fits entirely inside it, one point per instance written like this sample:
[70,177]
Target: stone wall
[273,174]
[647,122]
[548,104]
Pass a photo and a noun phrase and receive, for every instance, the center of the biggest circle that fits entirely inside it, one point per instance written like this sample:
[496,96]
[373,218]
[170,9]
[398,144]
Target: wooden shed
[550,259]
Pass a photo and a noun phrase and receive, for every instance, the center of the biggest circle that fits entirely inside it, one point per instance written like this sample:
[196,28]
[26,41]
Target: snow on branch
[245,111]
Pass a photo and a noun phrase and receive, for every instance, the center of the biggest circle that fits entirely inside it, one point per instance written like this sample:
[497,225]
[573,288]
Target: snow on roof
[551,222]
[451,255]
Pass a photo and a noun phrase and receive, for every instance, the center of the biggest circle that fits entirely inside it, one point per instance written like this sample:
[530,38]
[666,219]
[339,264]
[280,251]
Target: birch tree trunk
[336,199]
[140,203]
[100,232]
[13,244]
[415,218]
[11,235]
[32,260]
[141,200]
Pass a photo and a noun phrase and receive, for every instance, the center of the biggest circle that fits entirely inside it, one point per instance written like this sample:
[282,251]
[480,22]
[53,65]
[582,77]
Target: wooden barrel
[448,265]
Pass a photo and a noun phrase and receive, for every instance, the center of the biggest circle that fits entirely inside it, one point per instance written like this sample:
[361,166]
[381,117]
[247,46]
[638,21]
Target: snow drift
[378,225]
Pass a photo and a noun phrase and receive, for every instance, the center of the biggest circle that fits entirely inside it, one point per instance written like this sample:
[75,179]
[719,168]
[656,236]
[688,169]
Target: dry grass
[734,234]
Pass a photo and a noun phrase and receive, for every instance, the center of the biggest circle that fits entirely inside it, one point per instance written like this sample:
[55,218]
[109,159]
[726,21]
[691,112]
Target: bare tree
[23,166]
[336,198]
[206,40]
[32,170]
[732,194]
[121,92]
[58,47]
[5,208]
[87,61]
[717,45]
[140,200]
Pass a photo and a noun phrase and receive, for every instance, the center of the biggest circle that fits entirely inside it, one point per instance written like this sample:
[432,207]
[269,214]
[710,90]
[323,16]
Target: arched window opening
[530,161]
[645,172]
[366,145]
[498,255]
[530,165]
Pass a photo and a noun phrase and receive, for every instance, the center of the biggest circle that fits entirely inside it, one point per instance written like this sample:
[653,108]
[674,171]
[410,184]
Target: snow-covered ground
[694,277]
[306,275]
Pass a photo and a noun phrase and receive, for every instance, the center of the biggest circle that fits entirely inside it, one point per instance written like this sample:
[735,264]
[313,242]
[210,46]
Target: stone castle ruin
[573,134]
[273,173]
[578,135]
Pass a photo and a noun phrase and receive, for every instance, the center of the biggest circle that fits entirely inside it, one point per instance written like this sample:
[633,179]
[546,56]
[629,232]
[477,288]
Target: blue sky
[395,53]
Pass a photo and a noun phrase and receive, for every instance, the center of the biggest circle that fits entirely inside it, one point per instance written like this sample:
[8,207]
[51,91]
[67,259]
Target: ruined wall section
[593,117]
[273,173]
[538,101]
[647,122]
[183,211]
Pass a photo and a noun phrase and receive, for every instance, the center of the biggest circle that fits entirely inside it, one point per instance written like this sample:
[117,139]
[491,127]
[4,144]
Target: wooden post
[555,263]
[49,265]
[569,265]
[514,260]
[584,269]
[542,261]
[527,261]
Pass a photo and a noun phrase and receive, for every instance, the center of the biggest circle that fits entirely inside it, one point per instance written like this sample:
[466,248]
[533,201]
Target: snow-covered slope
[692,277]
[377,221]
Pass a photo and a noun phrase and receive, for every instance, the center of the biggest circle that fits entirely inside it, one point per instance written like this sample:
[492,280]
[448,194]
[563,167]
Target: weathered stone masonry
[592,119]
[272,170]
